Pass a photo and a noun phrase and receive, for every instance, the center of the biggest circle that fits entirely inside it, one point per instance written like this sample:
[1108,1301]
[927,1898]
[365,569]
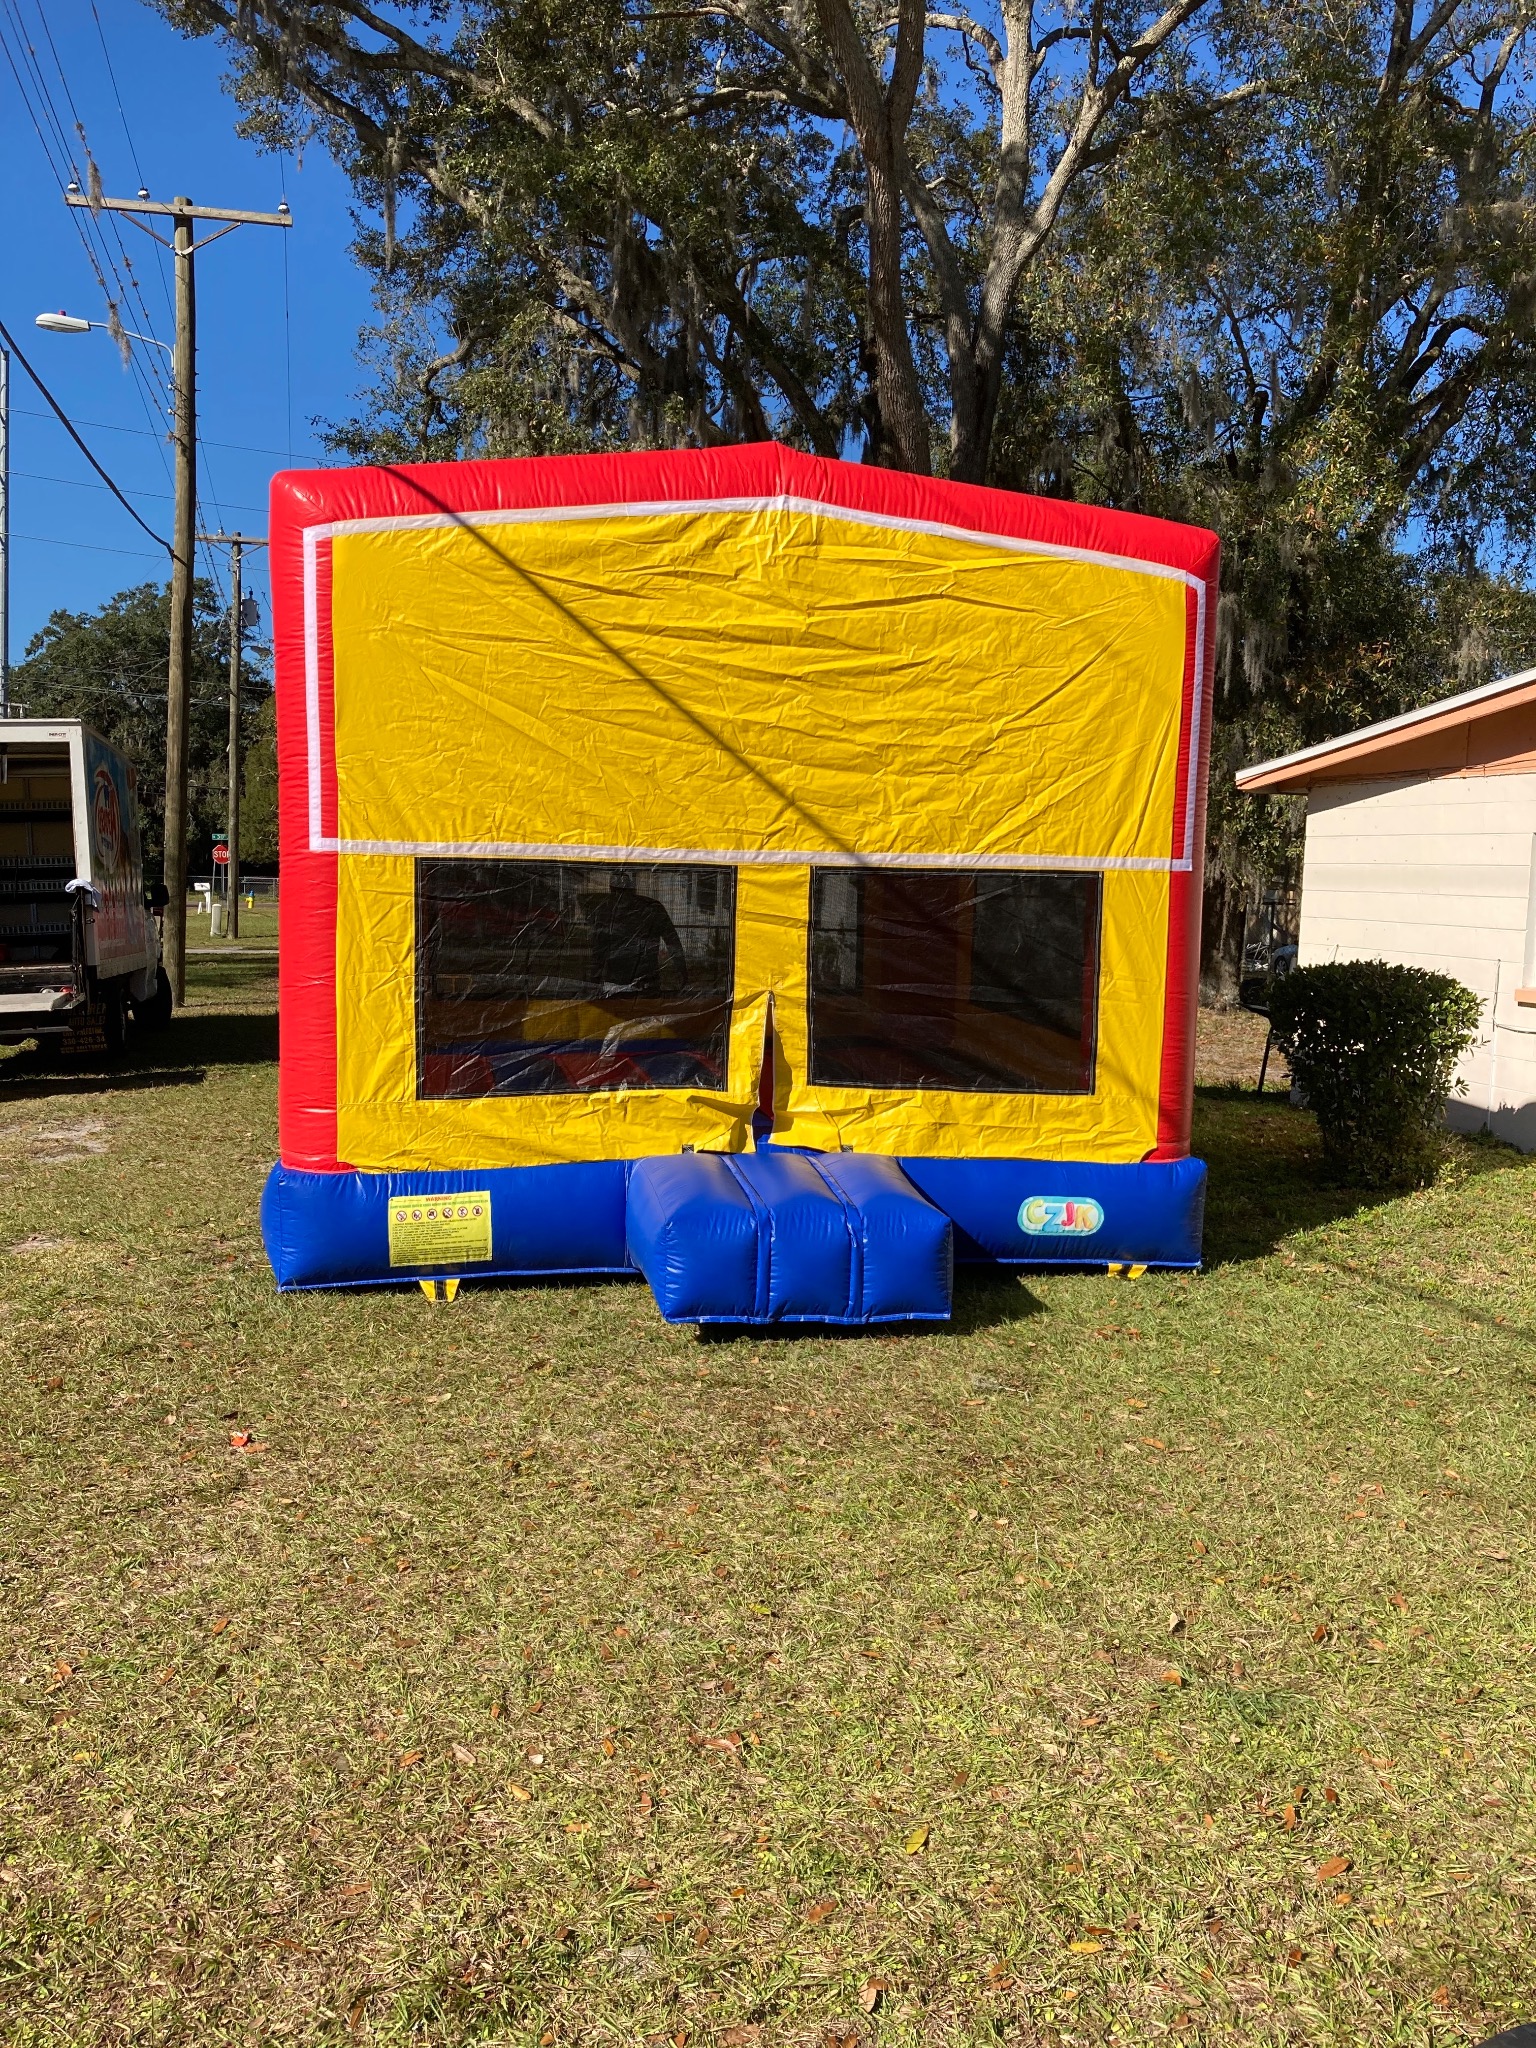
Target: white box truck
[79,937]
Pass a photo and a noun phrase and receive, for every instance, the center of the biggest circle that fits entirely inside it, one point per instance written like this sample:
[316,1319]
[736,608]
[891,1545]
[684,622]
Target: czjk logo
[1060,1216]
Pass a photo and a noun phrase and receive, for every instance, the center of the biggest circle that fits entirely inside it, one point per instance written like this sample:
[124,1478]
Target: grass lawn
[258,926]
[1135,1658]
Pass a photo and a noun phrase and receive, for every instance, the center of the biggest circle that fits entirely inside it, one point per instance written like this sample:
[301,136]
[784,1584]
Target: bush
[1374,1049]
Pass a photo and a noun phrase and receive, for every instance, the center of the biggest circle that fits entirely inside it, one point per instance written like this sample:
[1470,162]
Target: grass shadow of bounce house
[777,875]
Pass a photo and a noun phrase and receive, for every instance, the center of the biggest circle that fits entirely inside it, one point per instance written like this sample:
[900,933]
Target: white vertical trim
[312,538]
[1196,702]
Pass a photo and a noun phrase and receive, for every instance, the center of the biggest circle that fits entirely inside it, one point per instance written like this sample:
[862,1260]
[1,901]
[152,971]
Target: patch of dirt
[65,1144]
[1229,1049]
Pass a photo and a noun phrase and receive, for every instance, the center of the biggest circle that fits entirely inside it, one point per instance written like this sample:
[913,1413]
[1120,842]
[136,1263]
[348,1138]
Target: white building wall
[1438,873]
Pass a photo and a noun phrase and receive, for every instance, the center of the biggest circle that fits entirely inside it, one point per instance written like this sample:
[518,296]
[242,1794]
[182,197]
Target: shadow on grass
[177,1057]
[22,1077]
[985,1298]
[216,1039]
[1266,1174]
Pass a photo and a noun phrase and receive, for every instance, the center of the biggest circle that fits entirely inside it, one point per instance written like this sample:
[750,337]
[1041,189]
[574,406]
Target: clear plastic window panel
[984,981]
[571,977]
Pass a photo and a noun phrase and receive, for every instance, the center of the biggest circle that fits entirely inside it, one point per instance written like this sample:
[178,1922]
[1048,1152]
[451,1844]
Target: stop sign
[221,856]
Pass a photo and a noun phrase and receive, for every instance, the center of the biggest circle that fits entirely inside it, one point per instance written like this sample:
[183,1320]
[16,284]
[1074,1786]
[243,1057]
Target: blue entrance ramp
[788,1237]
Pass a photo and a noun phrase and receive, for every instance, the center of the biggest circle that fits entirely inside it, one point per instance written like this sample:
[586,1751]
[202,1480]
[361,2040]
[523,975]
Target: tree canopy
[109,668]
[1269,268]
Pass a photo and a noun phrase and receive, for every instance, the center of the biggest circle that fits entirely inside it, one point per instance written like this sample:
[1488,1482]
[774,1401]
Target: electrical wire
[210,562]
[106,54]
[84,144]
[69,427]
[211,565]
[110,427]
[91,547]
[38,99]
[121,266]
[125,278]
[76,483]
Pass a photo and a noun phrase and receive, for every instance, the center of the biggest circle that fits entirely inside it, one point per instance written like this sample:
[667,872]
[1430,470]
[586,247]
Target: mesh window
[949,980]
[571,977]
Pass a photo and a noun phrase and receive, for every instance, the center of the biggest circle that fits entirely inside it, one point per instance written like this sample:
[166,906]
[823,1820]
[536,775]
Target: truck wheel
[114,1019]
[154,1012]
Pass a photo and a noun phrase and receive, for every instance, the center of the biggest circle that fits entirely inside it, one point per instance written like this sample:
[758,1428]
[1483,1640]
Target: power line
[68,425]
[138,171]
[40,92]
[211,565]
[76,483]
[109,427]
[101,36]
[47,540]
[99,228]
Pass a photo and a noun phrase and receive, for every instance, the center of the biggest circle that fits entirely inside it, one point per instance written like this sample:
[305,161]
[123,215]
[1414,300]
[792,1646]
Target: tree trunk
[1224,916]
[878,116]
[903,416]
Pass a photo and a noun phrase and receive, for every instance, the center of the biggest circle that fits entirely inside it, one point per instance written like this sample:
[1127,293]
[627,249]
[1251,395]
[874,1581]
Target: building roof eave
[1330,760]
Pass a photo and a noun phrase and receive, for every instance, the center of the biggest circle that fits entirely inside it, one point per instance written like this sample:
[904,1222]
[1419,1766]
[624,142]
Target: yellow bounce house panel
[762,686]
[385,1126]
[778,875]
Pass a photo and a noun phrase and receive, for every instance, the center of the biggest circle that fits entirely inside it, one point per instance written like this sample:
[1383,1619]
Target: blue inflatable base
[786,1236]
[332,1229]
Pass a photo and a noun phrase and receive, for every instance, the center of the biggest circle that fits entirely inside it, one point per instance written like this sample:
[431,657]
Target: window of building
[571,977]
[934,978]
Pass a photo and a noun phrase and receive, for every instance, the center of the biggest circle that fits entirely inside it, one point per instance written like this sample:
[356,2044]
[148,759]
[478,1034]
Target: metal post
[179,674]
[232,872]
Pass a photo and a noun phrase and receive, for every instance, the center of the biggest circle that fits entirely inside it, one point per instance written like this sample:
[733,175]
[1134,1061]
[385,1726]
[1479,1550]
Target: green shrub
[1374,1049]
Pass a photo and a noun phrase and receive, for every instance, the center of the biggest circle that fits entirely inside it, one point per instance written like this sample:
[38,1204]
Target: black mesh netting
[937,979]
[566,977]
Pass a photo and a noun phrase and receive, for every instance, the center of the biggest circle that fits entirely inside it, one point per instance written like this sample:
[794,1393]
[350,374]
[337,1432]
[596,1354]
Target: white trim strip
[1196,703]
[1403,722]
[756,857]
[312,537]
[652,508]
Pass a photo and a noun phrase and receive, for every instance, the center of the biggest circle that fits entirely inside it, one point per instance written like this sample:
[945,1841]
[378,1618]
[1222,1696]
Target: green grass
[258,926]
[748,1620]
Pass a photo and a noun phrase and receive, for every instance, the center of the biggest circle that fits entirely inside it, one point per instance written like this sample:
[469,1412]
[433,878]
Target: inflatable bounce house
[775,876]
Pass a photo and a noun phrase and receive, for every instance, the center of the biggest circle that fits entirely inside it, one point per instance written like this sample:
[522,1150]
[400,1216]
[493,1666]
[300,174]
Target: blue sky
[274,353]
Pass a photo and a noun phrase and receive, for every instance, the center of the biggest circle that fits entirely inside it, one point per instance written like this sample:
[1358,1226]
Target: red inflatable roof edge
[761,469]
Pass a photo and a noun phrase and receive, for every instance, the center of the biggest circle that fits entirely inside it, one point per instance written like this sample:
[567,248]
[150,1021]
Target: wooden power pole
[182,215]
[232,872]
[236,543]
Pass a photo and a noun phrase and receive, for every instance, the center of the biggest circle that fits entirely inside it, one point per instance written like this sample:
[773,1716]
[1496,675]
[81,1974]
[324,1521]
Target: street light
[71,323]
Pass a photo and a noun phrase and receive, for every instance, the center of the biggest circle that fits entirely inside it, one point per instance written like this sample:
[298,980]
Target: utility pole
[5,531]
[235,542]
[182,215]
[232,872]
[178,692]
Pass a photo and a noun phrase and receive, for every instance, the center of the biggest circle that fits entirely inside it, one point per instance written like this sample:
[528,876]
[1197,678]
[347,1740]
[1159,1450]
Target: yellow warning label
[440,1230]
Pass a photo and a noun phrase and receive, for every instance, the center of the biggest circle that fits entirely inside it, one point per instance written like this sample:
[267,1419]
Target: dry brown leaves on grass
[610,1758]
